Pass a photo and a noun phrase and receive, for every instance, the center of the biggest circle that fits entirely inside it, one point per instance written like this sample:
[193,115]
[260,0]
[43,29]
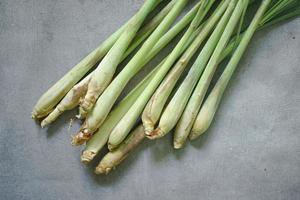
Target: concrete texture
[251,152]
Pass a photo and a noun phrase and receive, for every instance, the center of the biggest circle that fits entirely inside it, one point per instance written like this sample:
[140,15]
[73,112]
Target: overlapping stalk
[74,96]
[114,158]
[54,94]
[105,102]
[190,113]
[177,104]
[155,105]
[122,129]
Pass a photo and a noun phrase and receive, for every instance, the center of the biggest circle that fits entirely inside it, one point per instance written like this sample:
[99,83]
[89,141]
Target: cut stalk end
[102,170]
[87,156]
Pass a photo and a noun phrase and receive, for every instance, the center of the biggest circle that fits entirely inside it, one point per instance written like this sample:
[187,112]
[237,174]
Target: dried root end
[102,170]
[193,135]
[81,137]
[157,133]
[87,156]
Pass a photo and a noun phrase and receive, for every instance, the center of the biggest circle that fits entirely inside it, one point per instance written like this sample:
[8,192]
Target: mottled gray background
[251,152]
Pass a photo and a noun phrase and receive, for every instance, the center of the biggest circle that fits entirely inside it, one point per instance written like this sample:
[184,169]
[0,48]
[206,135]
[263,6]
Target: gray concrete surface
[251,152]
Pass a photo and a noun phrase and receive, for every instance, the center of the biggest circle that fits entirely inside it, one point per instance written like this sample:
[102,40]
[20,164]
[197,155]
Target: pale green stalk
[114,158]
[211,104]
[73,97]
[177,104]
[110,95]
[101,136]
[54,94]
[156,104]
[190,113]
[122,129]
[105,71]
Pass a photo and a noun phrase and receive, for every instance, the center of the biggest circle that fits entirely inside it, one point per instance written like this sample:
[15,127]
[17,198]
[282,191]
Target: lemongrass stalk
[211,104]
[114,158]
[156,104]
[175,107]
[190,113]
[105,102]
[72,98]
[56,92]
[101,136]
[103,74]
[122,129]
